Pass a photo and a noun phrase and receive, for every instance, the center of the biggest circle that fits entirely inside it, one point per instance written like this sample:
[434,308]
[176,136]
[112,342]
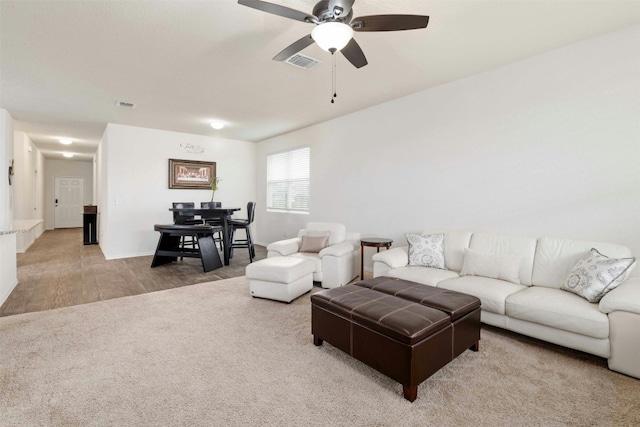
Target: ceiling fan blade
[354,54]
[389,22]
[344,7]
[295,47]
[276,9]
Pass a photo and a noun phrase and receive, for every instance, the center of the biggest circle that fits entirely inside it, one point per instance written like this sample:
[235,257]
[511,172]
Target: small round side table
[375,242]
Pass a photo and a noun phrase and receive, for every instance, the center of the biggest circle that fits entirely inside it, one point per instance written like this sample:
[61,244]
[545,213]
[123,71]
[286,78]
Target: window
[288,181]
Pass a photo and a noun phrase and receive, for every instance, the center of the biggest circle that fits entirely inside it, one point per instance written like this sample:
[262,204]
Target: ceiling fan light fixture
[332,36]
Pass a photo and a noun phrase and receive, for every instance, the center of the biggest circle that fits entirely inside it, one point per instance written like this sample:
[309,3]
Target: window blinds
[288,181]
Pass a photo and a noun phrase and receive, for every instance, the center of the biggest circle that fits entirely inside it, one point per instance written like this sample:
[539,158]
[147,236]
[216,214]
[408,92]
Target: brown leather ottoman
[405,330]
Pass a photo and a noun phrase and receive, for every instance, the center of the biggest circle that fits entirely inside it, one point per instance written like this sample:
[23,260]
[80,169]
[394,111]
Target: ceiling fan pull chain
[333,76]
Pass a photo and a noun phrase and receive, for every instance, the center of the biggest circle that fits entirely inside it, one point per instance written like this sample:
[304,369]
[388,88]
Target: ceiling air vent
[302,61]
[125,104]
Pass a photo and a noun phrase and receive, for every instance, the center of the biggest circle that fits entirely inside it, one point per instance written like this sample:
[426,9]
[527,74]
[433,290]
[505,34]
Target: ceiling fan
[335,26]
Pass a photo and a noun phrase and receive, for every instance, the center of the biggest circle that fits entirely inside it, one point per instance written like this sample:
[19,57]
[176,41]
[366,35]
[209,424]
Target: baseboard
[26,248]
[5,294]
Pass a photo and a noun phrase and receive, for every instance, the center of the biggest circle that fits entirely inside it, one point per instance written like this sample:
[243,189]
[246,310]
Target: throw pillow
[596,274]
[313,244]
[501,267]
[426,250]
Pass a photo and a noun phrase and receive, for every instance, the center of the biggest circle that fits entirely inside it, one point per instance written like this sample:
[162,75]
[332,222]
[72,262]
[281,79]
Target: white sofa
[337,264]
[537,307]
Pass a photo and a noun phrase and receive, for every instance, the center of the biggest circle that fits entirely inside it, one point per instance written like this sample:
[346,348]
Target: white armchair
[335,265]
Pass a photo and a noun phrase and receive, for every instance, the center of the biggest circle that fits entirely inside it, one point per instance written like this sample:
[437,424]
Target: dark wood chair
[215,221]
[185,240]
[185,219]
[244,224]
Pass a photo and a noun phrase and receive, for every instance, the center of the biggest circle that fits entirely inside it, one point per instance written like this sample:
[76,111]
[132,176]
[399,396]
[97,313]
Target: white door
[69,197]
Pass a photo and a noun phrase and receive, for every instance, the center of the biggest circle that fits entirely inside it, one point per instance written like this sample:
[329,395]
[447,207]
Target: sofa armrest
[340,249]
[625,297]
[394,257]
[285,247]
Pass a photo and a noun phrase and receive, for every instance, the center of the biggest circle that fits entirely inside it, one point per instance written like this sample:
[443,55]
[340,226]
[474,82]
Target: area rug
[210,355]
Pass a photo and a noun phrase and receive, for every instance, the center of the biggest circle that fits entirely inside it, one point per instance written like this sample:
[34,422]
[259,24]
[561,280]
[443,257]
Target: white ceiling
[63,64]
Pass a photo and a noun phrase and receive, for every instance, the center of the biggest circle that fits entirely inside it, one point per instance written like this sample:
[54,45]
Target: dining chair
[243,224]
[215,220]
[184,219]
[185,241]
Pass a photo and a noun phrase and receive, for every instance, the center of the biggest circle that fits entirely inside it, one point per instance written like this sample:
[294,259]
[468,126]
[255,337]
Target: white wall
[28,180]
[60,168]
[6,159]
[546,146]
[134,181]
[100,196]
[39,211]
[8,266]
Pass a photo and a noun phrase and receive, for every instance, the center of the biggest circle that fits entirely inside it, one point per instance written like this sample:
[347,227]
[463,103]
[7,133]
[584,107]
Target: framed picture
[191,174]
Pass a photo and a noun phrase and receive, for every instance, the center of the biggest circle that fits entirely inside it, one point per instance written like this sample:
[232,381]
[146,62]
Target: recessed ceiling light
[65,141]
[217,124]
[68,155]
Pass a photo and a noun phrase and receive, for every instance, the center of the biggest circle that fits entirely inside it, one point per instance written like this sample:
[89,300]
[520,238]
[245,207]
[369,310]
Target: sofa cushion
[556,257]
[596,274]
[492,292]
[426,250]
[558,309]
[423,275]
[505,244]
[317,261]
[503,267]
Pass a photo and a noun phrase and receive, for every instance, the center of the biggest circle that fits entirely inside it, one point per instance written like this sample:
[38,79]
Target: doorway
[68,201]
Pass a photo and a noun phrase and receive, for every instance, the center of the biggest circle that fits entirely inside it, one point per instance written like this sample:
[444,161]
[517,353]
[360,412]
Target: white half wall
[134,182]
[548,146]
[61,168]
[8,265]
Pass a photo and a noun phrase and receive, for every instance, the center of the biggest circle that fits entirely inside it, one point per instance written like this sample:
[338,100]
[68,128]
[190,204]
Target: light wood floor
[58,270]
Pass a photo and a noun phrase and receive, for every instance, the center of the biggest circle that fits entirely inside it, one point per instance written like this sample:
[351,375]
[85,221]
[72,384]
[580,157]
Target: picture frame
[191,174]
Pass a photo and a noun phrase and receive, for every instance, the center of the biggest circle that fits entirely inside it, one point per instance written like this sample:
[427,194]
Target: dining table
[209,213]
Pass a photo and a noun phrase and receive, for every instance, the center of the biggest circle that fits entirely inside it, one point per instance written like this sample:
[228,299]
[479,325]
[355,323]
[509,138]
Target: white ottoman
[280,278]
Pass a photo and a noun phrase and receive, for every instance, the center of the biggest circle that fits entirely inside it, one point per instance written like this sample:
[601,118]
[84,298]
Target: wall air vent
[302,61]
[125,104]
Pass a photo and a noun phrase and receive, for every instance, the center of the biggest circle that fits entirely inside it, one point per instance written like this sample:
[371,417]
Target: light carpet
[210,355]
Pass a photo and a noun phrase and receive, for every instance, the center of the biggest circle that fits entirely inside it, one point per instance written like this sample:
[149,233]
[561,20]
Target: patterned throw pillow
[596,274]
[426,250]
